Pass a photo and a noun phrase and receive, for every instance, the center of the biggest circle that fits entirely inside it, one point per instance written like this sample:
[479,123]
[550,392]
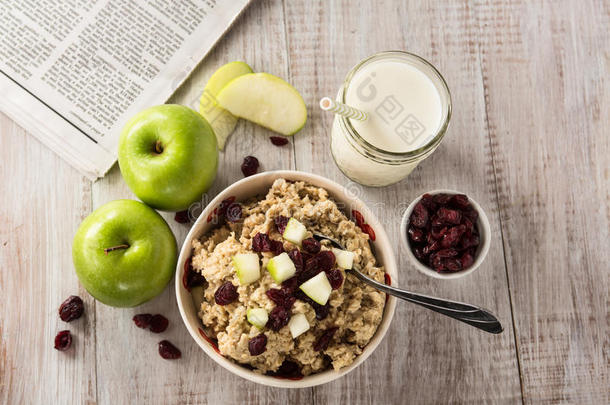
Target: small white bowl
[482,249]
[259,185]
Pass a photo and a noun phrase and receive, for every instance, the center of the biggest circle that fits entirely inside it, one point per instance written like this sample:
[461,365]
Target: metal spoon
[470,314]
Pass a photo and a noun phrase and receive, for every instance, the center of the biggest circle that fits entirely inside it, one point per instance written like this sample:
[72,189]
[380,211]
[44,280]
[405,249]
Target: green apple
[247,267]
[281,268]
[168,156]
[265,100]
[222,122]
[345,258]
[124,253]
[257,317]
[298,325]
[295,231]
[317,288]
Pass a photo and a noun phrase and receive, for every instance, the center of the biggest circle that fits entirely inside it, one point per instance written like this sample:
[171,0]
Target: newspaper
[72,72]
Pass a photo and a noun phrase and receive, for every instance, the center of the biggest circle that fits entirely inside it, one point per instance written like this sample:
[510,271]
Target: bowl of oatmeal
[270,303]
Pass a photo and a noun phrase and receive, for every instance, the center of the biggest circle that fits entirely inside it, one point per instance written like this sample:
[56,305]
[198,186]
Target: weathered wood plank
[42,201]
[129,367]
[425,358]
[545,72]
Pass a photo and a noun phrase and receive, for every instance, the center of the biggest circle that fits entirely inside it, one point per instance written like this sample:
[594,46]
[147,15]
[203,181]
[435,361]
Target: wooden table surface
[528,140]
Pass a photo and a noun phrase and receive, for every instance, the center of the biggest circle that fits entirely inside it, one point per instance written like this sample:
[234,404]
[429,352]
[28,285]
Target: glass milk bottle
[408,106]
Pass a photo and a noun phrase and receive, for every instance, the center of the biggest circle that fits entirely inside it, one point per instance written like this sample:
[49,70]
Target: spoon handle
[470,314]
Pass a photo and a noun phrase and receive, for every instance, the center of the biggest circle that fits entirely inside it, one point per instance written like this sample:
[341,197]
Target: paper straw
[328,104]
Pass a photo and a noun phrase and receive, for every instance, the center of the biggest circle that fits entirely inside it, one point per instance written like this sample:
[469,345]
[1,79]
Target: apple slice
[345,258]
[295,231]
[265,100]
[222,122]
[257,317]
[317,288]
[298,325]
[247,267]
[281,268]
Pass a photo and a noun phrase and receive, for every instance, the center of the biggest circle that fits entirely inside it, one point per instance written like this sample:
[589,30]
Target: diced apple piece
[317,288]
[345,258]
[222,122]
[258,317]
[295,231]
[247,267]
[265,100]
[281,268]
[298,325]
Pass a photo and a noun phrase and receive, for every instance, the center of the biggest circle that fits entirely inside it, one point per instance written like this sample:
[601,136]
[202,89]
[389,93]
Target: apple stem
[158,147]
[110,249]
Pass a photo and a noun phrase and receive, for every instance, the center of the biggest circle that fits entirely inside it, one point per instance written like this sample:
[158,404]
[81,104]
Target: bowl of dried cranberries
[446,234]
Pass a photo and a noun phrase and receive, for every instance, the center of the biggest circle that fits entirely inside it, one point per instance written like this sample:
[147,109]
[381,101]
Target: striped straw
[328,104]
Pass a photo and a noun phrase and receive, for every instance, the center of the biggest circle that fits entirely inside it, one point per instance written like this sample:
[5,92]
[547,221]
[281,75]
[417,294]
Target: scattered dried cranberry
[366,228]
[281,297]
[249,166]
[289,286]
[335,277]
[63,340]
[257,345]
[297,258]
[278,318]
[324,340]
[419,216]
[194,279]
[168,351]
[288,369]
[226,294]
[158,323]
[280,223]
[142,320]
[278,140]
[233,213]
[326,260]
[358,218]
[277,247]
[310,245]
[442,232]
[182,217]
[72,308]
[224,204]
[322,311]
[311,269]
[261,242]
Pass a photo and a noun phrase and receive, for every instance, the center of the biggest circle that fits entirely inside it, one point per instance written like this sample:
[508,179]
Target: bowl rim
[484,229]
[382,242]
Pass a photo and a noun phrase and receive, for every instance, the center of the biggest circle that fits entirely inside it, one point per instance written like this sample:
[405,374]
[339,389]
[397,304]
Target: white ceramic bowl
[258,185]
[483,248]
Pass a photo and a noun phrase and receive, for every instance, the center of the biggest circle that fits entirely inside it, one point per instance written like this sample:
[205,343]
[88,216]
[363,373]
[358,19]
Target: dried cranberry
[194,279]
[257,345]
[233,213]
[441,199]
[444,253]
[366,228]
[249,166]
[418,251]
[437,232]
[289,286]
[472,215]
[324,340]
[467,260]
[311,269]
[278,140]
[322,311]
[470,241]
[168,351]
[182,217]
[277,247]
[142,320]
[452,237]
[281,297]
[428,201]
[72,308]
[358,218]
[226,294]
[289,369]
[278,318]
[432,247]
[437,263]
[416,235]
[63,340]
[453,264]
[297,258]
[158,323]
[280,223]
[326,260]
[310,245]
[419,217]
[459,201]
[261,242]
[335,277]
[224,204]
[449,216]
